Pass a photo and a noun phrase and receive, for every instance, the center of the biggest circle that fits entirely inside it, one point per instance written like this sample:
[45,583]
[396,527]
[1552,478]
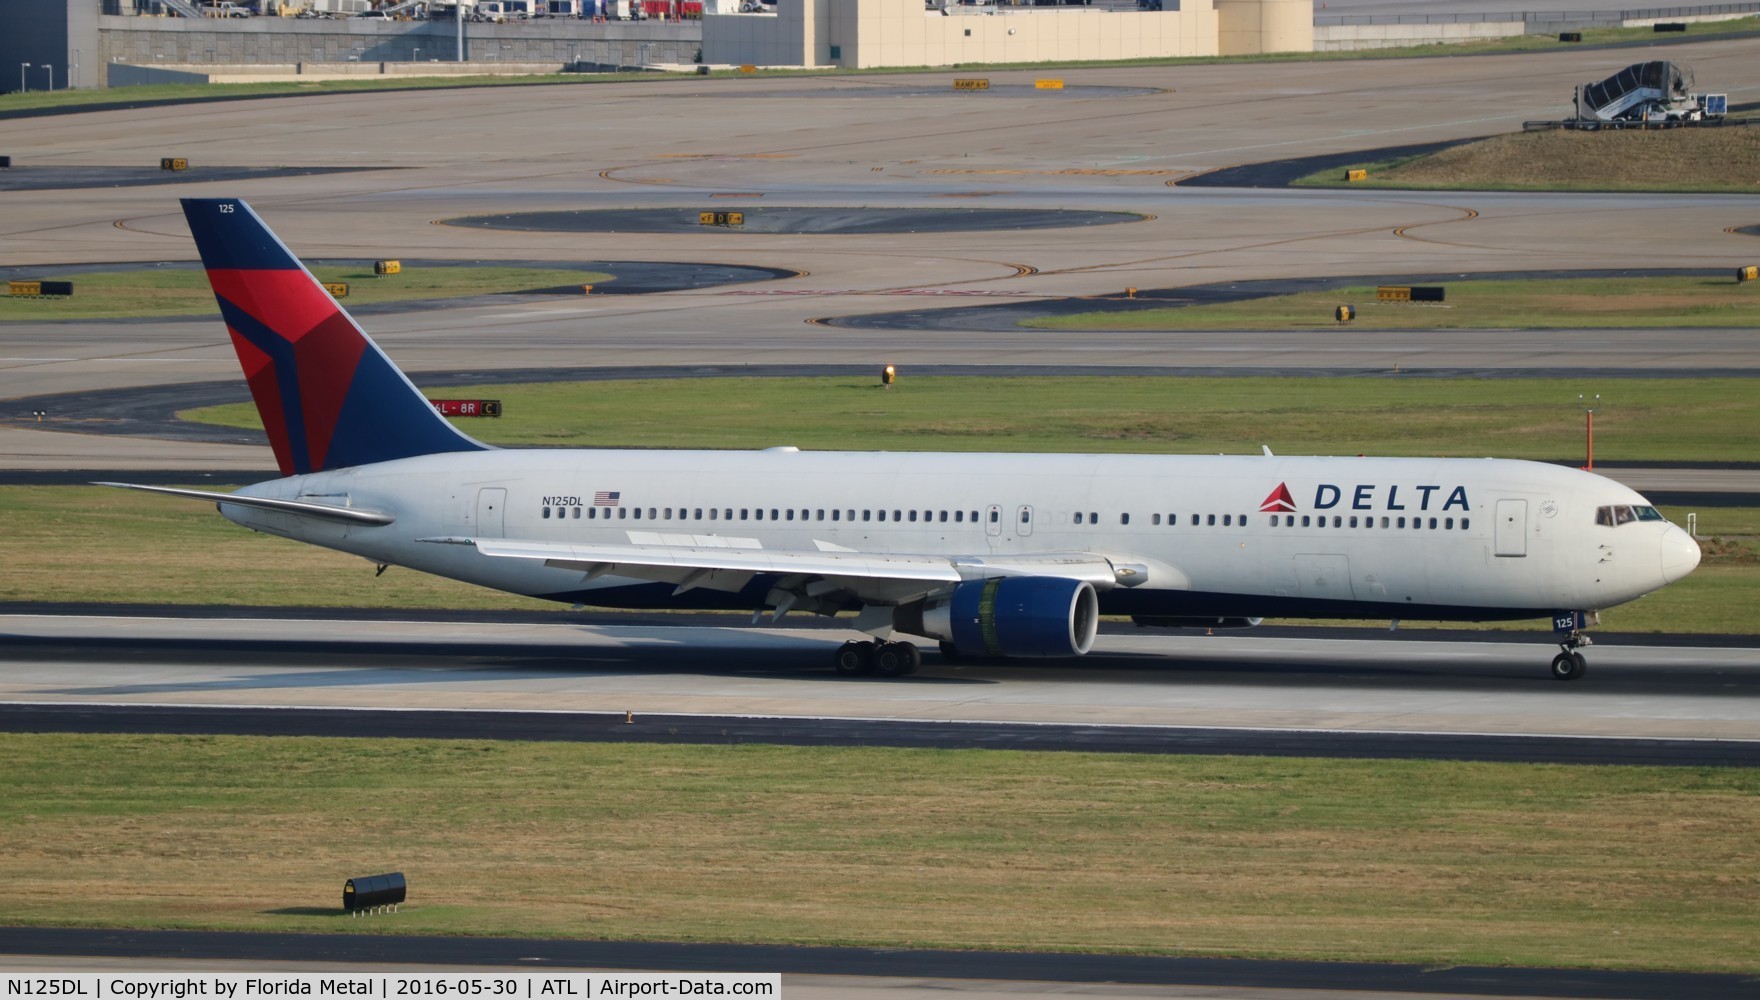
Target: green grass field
[1541,305]
[93,544]
[121,294]
[1427,862]
[1639,419]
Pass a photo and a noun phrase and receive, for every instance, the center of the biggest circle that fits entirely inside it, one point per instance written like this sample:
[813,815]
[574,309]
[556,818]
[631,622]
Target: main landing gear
[883,659]
[1570,664]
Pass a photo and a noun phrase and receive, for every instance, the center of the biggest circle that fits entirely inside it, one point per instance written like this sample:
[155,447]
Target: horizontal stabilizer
[306,508]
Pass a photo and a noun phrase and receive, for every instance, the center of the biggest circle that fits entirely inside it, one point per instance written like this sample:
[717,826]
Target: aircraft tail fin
[329,398]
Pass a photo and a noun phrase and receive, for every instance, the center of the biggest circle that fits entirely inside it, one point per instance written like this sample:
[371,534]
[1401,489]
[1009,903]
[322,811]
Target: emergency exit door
[1512,528]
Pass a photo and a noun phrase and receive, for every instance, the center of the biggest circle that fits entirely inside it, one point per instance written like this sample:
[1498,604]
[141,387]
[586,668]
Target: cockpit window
[1613,517]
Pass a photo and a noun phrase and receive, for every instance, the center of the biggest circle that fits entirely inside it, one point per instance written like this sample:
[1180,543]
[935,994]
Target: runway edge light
[888,375]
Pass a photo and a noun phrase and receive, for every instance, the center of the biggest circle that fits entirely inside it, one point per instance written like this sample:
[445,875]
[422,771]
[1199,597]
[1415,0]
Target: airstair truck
[1648,92]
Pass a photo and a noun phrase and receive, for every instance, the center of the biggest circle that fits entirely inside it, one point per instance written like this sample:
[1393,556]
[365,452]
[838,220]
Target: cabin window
[944,517]
[1433,524]
[546,513]
[1466,523]
[1353,520]
[959,517]
[1026,515]
[1154,518]
[995,516]
[866,515]
[577,513]
[913,517]
[974,517]
[1211,520]
[821,513]
[895,515]
[834,514]
[849,516]
[1304,520]
[1448,522]
[1078,517]
[1124,519]
[745,513]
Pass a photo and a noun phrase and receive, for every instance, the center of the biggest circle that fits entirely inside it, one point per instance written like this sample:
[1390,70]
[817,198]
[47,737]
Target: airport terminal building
[860,34]
[99,43]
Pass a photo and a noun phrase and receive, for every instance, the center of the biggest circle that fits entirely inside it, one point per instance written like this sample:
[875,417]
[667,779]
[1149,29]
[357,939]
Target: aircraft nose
[1679,554]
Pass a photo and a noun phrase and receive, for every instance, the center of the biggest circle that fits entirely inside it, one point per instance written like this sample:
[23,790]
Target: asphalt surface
[1143,970]
[1282,173]
[735,730]
[842,221]
[1007,316]
[1317,682]
[25,177]
[846,88]
[628,277]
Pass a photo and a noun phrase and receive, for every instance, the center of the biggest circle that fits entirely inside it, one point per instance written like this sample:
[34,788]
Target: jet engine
[1027,616]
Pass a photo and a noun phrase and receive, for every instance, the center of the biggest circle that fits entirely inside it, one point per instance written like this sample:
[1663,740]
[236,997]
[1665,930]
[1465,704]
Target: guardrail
[1542,16]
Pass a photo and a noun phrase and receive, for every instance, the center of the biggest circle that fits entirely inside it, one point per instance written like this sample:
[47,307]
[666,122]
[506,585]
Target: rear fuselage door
[1512,528]
[491,512]
[993,521]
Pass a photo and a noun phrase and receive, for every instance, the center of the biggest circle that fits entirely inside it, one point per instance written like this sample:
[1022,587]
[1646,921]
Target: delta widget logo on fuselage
[1370,496]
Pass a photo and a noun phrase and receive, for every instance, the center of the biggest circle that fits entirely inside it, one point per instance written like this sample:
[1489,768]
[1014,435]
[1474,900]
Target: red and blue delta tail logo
[1279,500]
[329,398]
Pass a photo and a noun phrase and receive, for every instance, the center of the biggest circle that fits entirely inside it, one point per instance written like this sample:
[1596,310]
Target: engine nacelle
[1009,616]
[1173,621]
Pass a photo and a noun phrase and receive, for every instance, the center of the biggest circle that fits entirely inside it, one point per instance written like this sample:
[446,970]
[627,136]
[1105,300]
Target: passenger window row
[756,514]
[1352,521]
[1605,516]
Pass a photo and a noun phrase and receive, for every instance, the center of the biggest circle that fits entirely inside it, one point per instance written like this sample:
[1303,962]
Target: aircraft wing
[830,573]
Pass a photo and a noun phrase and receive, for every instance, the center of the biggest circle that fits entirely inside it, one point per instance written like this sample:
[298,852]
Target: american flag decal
[606,498]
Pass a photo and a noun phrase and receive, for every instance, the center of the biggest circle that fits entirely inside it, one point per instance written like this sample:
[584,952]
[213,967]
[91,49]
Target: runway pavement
[831,973]
[1147,678]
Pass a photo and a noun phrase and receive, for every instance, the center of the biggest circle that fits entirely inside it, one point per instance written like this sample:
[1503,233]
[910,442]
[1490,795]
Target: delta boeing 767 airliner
[993,555]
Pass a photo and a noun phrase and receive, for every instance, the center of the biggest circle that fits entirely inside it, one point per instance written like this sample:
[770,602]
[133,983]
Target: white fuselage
[1207,535]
